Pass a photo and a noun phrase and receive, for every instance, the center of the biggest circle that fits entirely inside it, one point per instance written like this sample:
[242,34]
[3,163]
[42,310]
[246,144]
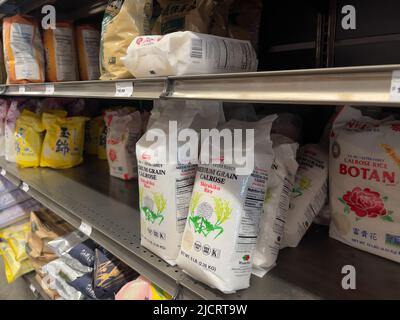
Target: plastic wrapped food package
[12,198]
[122,22]
[59,44]
[29,139]
[165,187]
[4,105]
[64,141]
[309,195]
[6,185]
[17,212]
[289,125]
[57,274]
[84,284]
[88,42]
[15,260]
[122,135]
[185,53]
[364,168]
[276,204]
[110,275]
[223,222]
[204,16]
[141,289]
[92,134]
[23,50]
[11,119]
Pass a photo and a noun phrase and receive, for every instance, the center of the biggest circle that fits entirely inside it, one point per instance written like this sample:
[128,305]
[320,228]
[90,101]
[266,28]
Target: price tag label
[33,289]
[3,172]
[25,187]
[124,89]
[21,89]
[85,228]
[395,86]
[49,89]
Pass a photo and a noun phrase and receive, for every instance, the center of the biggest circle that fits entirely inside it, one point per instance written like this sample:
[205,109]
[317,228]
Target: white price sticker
[21,89]
[33,289]
[49,89]
[3,172]
[85,228]
[395,86]
[25,187]
[124,89]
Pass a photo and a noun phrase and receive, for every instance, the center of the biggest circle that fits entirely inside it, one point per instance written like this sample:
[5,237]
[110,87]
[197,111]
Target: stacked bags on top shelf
[28,58]
[185,37]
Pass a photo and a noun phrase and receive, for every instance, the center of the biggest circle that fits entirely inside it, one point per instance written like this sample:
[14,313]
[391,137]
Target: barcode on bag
[197,49]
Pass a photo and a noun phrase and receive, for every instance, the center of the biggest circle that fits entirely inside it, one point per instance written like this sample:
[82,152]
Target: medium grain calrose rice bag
[223,221]
[276,204]
[364,183]
[165,188]
[309,194]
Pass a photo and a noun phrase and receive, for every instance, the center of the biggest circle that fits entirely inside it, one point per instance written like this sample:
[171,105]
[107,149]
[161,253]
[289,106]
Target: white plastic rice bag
[165,188]
[222,226]
[10,141]
[183,53]
[364,183]
[309,195]
[276,204]
[4,105]
[124,130]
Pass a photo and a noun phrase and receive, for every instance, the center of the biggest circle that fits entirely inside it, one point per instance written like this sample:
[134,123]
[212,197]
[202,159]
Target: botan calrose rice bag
[165,188]
[222,226]
[276,204]
[364,183]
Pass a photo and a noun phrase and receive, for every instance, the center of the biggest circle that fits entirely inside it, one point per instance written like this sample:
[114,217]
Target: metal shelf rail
[35,287]
[87,195]
[372,85]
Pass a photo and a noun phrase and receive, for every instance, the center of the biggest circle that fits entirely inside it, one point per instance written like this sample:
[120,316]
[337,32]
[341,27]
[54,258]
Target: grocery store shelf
[35,286]
[109,205]
[329,86]
[143,89]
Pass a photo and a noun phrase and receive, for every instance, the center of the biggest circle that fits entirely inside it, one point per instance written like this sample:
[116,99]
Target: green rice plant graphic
[303,185]
[201,221]
[147,206]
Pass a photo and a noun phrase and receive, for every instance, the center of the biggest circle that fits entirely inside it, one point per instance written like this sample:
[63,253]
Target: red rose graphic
[113,155]
[365,203]
[396,127]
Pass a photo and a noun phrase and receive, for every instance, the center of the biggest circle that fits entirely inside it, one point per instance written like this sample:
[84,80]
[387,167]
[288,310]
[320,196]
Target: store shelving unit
[370,85]
[35,287]
[109,206]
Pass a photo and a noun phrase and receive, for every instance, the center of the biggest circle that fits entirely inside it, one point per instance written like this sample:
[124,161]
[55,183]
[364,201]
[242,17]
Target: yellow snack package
[17,244]
[64,141]
[12,248]
[92,136]
[13,268]
[29,139]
